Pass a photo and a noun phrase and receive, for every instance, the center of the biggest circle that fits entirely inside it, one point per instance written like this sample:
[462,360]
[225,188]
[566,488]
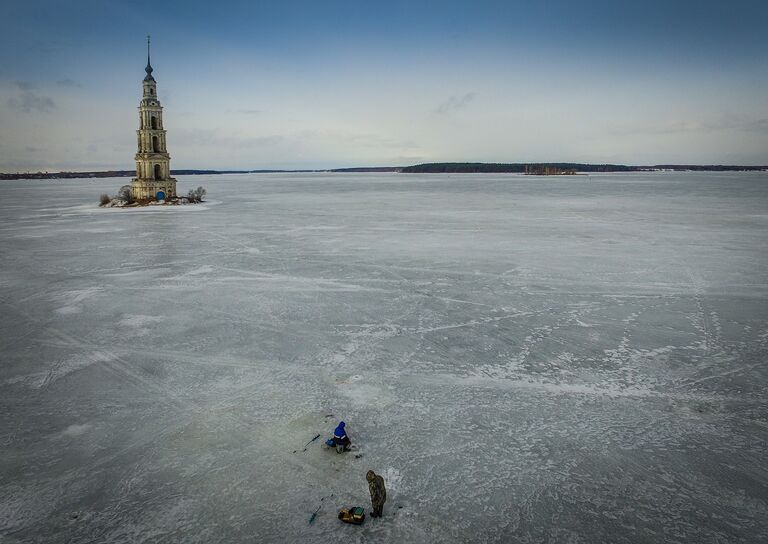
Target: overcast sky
[316,84]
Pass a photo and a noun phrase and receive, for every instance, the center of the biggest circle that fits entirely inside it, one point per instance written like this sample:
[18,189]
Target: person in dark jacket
[378,493]
[341,439]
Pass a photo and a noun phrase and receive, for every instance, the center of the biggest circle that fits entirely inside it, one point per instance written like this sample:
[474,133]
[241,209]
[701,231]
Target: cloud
[758,125]
[725,122]
[24,85]
[245,112]
[345,138]
[260,141]
[210,137]
[455,103]
[68,83]
[404,160]
[29,100]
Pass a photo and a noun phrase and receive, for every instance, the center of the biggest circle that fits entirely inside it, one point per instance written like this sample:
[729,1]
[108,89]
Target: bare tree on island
[196,195]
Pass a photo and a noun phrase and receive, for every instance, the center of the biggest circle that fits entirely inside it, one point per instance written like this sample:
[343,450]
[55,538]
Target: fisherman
[340,438]
[378,493]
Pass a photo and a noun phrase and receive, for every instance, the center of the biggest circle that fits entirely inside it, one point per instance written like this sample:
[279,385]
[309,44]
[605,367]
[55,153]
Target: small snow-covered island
[153,184]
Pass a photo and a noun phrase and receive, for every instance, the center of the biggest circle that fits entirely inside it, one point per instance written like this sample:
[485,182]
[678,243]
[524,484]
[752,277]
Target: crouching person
[340,438]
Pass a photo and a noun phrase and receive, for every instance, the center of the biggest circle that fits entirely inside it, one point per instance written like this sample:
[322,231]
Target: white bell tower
[153,163]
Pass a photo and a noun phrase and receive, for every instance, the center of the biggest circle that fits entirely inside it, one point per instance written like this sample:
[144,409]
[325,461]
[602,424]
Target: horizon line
[573,165]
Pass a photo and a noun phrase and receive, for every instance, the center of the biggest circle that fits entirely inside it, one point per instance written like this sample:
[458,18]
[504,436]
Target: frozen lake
[524,359]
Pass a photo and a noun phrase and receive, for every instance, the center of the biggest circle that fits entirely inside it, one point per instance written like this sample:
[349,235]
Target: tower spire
[148,69]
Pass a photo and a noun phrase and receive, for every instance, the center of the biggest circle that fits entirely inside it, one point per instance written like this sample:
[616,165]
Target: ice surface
[524,359]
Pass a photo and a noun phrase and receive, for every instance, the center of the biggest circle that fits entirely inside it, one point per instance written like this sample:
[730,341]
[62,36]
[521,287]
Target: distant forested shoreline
[537,168]
[131,173]
[563,167]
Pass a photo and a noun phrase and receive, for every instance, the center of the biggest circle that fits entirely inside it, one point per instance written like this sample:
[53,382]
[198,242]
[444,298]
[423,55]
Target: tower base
[153,188]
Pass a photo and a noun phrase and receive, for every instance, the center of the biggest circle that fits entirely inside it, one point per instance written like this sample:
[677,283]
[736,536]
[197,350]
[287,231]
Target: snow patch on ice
[59,369]
[205,269]
[138,320]
[350,379]
[68,310]
[76,430]
[139,323]
[362,394]
[393,479]
[71,300]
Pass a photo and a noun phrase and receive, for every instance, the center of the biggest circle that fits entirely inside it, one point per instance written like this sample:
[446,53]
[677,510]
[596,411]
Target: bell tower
[153,163]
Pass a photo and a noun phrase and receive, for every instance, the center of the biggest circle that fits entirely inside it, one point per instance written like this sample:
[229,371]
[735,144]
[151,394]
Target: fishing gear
[308,443]
[314,514]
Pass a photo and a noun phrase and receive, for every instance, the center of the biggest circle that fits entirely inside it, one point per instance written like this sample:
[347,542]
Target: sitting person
[341,439]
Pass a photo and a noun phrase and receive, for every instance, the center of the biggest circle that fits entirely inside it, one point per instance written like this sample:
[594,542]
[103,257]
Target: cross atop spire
[148,69]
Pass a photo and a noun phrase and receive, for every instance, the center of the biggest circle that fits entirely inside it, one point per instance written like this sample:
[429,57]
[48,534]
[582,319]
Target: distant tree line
[557,167]
[435,167]
[109,174]
[131,173]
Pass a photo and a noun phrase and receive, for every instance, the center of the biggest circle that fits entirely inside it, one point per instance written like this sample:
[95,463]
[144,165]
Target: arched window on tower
[158,172]
[155,144]
[154,123]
